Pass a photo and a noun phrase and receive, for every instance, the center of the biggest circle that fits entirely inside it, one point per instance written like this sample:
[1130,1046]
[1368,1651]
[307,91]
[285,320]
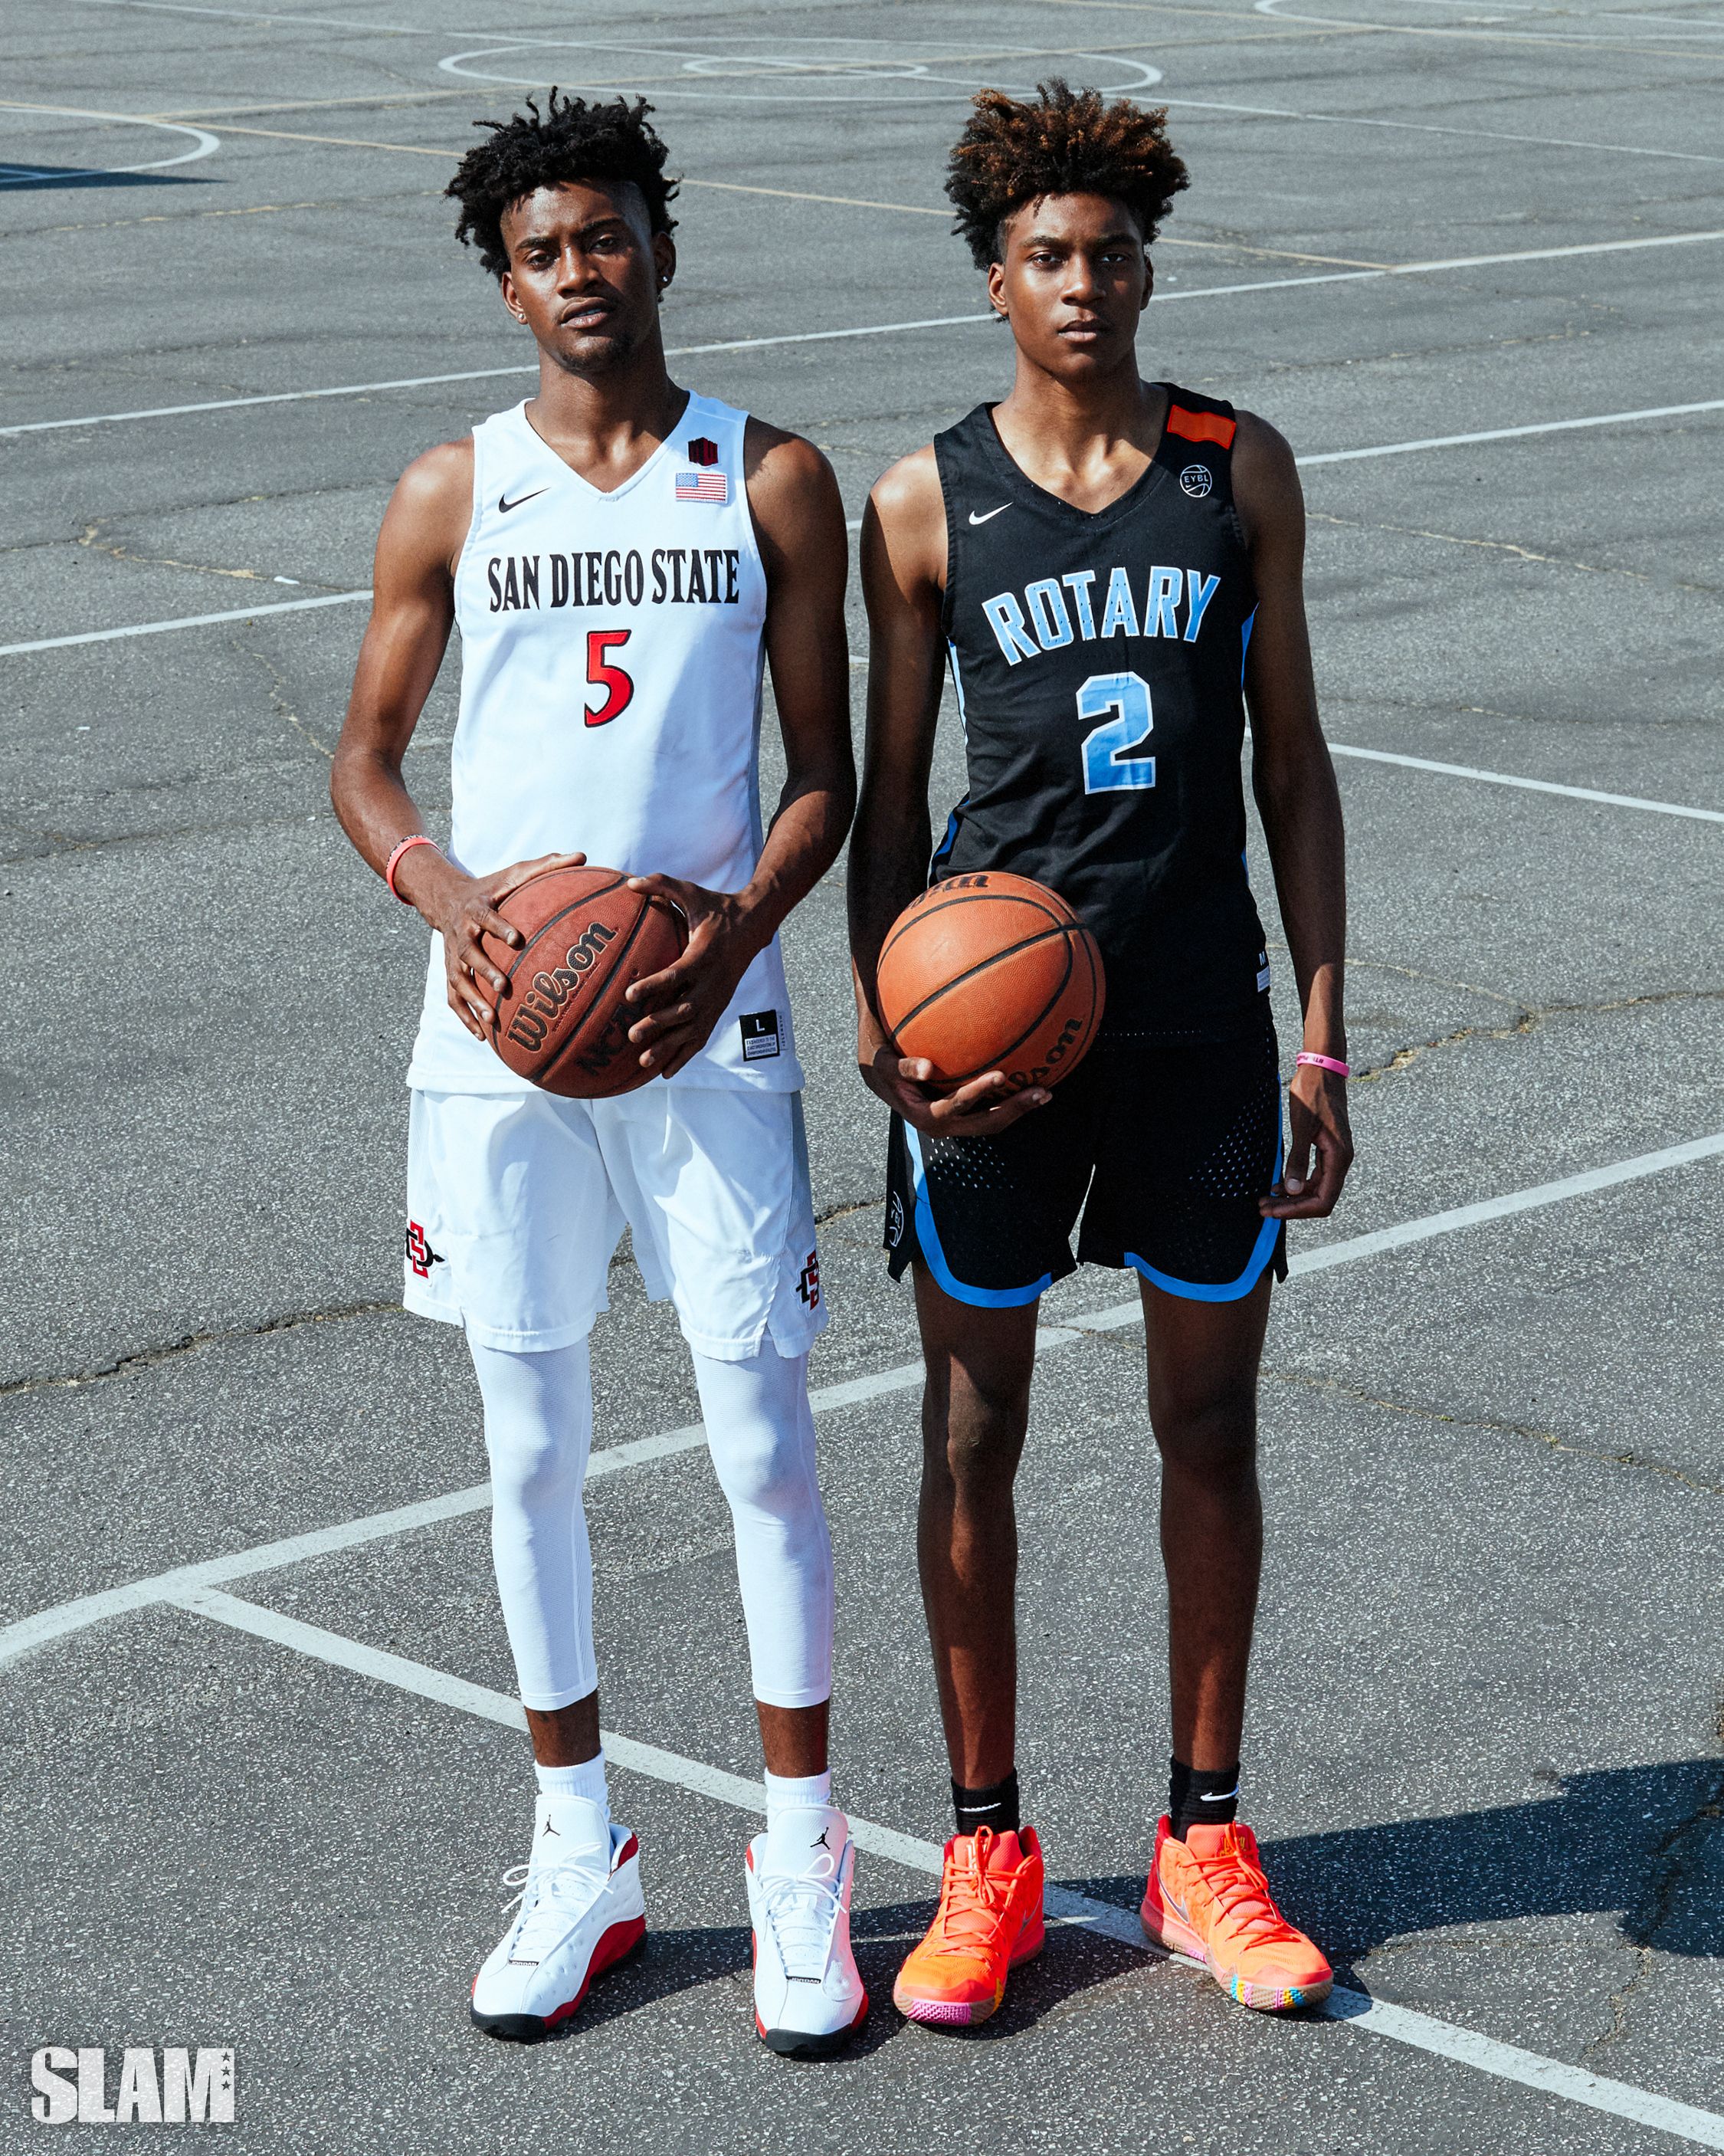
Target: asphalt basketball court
[260,1769]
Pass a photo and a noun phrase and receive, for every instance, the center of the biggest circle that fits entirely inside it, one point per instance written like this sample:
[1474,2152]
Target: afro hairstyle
[571,140]
[1062,141]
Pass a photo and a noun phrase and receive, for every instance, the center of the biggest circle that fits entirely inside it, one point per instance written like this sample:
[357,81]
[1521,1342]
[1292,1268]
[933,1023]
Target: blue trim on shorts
[1229,1290]
[928,1237]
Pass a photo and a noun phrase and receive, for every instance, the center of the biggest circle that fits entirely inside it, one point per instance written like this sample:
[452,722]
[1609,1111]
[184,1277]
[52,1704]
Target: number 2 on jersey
[617,687]
[1107,765]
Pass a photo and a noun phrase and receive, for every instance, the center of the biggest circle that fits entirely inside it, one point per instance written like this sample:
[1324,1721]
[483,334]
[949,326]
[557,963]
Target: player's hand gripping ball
[991,972]
[561,1021]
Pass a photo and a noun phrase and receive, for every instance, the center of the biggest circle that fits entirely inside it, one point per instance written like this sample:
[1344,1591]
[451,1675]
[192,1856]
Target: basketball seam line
[958,980]
[901,927]
[1035,1023]
[604,890]
[610,974]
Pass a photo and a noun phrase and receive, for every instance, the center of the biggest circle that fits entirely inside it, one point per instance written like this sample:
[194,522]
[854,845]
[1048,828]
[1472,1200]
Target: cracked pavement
[1485,1754]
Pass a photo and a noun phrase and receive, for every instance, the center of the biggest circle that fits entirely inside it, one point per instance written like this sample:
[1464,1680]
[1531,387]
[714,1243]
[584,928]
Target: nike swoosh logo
[991,515]
[505,505]
[1226,1796]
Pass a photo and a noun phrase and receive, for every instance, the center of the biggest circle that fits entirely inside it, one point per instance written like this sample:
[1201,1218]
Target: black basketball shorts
[1163,1151]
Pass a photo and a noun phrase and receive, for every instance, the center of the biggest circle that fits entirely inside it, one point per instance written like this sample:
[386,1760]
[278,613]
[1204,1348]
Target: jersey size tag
[759,1036]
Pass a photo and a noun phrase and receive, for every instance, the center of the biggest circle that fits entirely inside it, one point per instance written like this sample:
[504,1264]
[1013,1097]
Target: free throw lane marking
[1422,2032]
[28,1633]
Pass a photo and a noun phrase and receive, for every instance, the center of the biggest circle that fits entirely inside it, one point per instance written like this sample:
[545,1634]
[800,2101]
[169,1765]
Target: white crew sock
[585,1780]
[792,1792]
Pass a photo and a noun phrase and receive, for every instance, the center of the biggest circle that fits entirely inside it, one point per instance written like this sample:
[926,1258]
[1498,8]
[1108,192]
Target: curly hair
[1063,141]
[571,140]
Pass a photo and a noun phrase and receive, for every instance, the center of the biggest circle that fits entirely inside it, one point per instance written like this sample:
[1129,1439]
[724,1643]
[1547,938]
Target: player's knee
[978,1450]
[1212,1436]
[537,1421]
[765,1470]
[534,1464]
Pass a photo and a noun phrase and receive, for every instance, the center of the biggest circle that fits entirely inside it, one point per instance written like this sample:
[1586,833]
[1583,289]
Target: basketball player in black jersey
[1112,568]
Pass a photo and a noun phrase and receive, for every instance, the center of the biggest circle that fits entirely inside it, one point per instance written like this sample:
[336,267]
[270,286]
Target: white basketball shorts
[515,1203]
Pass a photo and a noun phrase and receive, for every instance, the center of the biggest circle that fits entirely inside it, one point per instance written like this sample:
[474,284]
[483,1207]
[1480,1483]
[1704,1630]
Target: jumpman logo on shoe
[820,1840]
[549,1829]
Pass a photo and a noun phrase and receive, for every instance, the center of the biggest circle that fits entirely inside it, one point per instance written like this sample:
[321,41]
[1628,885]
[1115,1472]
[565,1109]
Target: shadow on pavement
[1644,1843]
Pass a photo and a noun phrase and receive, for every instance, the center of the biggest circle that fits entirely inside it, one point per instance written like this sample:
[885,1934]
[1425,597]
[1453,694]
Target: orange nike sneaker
[1207,1897]
[989,1919]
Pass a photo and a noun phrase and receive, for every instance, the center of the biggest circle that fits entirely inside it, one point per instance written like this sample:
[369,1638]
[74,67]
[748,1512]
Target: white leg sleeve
[761,1431]
[538,1429]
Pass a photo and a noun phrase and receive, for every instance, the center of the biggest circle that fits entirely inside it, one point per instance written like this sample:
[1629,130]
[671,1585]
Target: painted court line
[1350,1247]
[182,621]
[1323,457]
[28,1633]
[466,374]
[1422,2032]
[1432,127]
[1360,276]
[1530,785]
[1513,433]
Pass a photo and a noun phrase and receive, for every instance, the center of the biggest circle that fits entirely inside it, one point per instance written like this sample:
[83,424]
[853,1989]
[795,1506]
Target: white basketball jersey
[612,650]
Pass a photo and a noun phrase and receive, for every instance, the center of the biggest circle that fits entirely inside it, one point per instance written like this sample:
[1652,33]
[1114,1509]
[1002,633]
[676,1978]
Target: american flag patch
[703,486]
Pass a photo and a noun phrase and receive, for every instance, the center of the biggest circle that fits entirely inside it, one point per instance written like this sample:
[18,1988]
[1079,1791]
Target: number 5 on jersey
[617,687]
[1108,763]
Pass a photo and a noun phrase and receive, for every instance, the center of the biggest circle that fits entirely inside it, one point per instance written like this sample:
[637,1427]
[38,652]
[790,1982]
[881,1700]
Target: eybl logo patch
[1197,480]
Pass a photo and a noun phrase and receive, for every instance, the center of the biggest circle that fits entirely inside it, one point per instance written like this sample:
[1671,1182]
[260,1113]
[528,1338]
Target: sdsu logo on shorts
[420,1255]
[808,1285]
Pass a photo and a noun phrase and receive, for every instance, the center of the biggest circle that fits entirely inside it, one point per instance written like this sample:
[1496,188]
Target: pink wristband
[1324,1063]
[407,845]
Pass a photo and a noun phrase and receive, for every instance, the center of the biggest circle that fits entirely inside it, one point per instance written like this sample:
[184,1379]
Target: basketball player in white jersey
[622,557]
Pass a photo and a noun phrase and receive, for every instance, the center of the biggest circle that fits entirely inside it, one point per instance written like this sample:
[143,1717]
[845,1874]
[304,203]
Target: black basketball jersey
[1098,662]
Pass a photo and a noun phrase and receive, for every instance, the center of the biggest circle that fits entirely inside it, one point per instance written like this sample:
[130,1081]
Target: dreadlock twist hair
[571,140]
[1063,141]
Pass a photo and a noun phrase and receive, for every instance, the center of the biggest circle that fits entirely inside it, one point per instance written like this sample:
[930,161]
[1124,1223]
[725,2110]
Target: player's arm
[799,522]
[413,611]
[903,572]
[1293,781]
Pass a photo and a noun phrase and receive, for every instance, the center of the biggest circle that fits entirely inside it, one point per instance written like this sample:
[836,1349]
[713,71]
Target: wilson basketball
[562,1020]
[992,973]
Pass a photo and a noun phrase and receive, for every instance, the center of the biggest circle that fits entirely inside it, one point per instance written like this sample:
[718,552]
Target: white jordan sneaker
[809,1997]
[580,1912]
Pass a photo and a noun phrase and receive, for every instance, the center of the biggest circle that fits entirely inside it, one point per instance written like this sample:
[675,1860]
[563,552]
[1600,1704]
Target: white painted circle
[796,71]
[16,175]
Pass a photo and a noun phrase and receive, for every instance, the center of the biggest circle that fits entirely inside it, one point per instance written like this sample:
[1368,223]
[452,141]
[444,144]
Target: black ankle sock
[1208,1796]
[995,1806]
